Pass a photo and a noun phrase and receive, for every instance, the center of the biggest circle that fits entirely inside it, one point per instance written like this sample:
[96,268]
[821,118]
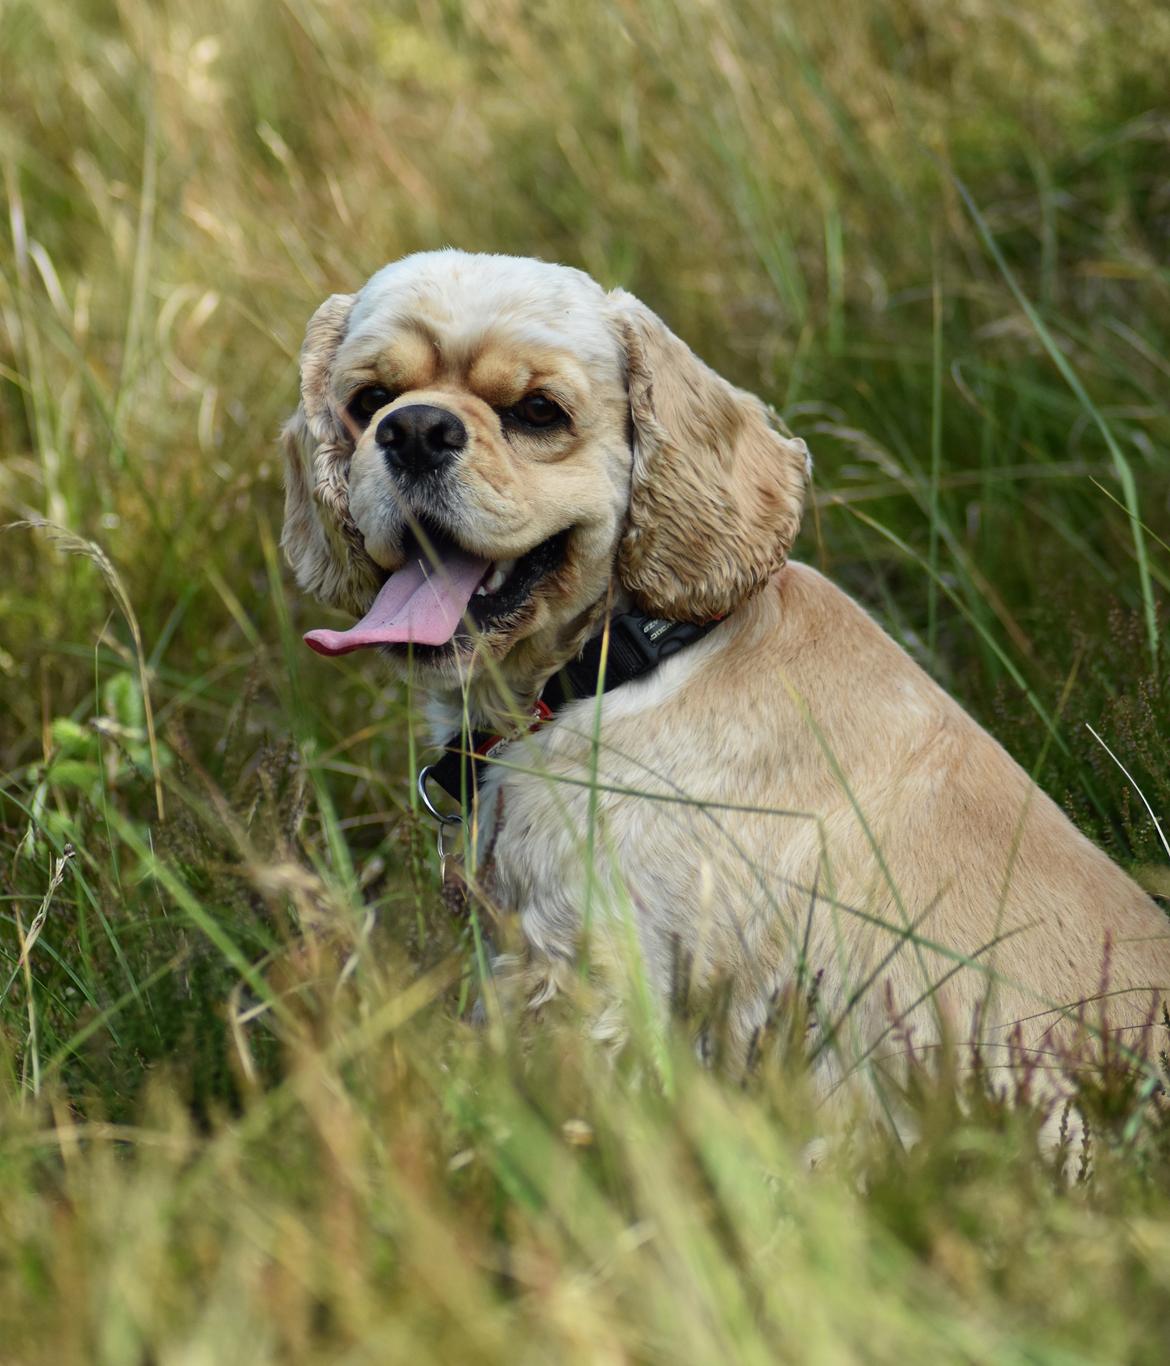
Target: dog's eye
[366,402]
[538,410]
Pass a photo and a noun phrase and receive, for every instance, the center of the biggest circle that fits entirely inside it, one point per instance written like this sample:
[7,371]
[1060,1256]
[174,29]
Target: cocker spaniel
[509,474]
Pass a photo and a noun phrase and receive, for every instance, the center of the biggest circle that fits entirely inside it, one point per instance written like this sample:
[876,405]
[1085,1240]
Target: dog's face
[484,442]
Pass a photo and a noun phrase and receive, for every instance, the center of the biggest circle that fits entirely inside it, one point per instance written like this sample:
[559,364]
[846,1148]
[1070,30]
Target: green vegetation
[242,1117]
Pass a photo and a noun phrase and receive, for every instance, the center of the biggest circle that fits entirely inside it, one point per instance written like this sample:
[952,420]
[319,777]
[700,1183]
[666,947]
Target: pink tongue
[420,603]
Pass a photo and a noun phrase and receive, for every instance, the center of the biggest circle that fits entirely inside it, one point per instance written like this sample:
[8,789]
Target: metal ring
[441,846]
[444,818]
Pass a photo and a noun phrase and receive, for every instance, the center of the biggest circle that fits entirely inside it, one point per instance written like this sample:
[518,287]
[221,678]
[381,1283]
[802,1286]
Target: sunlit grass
[242,1114]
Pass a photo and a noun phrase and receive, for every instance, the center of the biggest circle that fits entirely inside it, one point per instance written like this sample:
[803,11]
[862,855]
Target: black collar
[637,645]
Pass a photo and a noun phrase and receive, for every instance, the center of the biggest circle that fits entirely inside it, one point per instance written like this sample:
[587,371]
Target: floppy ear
[718,483]
[321,544]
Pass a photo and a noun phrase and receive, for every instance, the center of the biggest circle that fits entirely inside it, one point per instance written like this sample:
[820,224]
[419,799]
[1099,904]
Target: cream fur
[852,822]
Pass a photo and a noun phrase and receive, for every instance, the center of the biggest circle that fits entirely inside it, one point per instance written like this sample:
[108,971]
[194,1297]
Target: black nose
[420,437]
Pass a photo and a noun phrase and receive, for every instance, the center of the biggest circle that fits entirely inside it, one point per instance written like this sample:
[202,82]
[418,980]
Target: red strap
[541,713]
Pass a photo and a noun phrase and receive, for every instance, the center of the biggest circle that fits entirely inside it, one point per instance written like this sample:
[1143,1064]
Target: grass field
[242,1115]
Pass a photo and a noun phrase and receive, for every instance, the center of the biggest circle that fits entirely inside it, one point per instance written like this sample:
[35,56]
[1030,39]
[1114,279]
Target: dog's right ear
[324,334]
[321,544]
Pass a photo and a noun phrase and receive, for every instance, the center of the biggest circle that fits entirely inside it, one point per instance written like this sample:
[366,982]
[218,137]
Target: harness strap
[637,645]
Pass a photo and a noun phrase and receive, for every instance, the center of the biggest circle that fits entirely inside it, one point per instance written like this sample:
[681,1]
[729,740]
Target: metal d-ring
[446,820]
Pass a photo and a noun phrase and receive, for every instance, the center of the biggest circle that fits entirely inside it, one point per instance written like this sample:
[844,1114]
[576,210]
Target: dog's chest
[563,837]
[611,824]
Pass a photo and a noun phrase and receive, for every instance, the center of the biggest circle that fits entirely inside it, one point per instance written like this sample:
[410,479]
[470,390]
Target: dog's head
[485,443]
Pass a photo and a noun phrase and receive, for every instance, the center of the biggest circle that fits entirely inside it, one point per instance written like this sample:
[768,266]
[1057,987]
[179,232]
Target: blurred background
[933,236]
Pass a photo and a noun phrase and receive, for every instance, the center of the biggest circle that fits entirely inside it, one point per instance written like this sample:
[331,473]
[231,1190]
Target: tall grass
[241,1114]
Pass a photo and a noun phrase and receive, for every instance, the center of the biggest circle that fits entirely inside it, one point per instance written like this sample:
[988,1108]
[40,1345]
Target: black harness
[637,645]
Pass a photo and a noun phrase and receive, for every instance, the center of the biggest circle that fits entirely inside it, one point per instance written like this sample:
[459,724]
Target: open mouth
[439,588]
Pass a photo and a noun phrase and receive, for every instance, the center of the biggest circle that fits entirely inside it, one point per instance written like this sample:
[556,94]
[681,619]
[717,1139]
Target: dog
[495,464]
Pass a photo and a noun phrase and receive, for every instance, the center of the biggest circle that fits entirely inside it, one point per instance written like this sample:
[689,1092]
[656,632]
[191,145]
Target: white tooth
[495,579]
[481,591]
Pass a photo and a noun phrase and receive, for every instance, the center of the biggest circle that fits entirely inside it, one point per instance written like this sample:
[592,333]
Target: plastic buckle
[649,639]
[629,641]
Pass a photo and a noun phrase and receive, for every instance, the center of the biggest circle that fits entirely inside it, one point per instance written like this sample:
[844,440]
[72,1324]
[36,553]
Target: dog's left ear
[718,484]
